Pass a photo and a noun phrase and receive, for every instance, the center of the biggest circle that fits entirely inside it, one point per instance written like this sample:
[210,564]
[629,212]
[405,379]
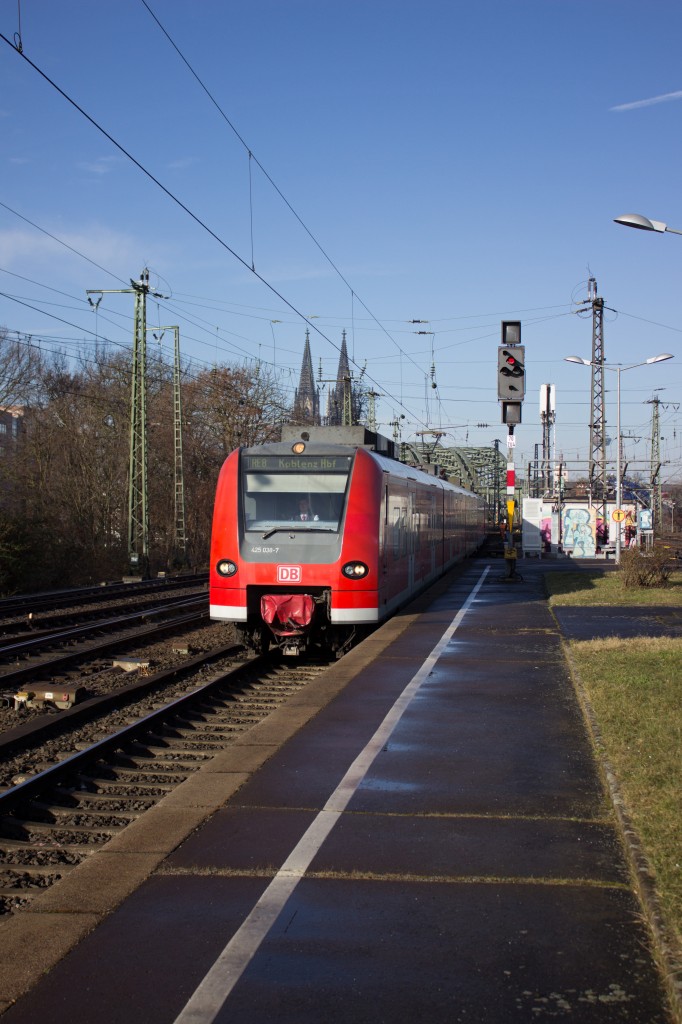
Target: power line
[54,237]
[187,210]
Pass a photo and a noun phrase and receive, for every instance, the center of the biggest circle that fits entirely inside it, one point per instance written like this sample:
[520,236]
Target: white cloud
[182,163]
[665,98]
[102,165]
[24,249]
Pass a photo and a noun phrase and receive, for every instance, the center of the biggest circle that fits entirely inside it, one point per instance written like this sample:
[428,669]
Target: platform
[434,844]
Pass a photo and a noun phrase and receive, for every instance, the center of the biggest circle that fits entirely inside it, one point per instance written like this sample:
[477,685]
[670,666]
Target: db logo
[288,574]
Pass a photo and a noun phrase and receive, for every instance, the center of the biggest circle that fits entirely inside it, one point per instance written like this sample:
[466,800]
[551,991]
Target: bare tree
[72,469]
[68,522]
[20,369]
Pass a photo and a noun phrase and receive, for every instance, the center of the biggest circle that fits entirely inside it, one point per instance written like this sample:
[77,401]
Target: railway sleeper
[157,757]
[35,832]
[214,735]
[87,797]
[19,853]
[139,761]
[58,813]
[138,780]
[156,743]
[213,729]
[36,814]
[10,871]
[122,788]
[196,751]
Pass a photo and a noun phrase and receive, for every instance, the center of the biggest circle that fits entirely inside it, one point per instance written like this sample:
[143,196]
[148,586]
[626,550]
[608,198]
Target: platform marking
[205,1004]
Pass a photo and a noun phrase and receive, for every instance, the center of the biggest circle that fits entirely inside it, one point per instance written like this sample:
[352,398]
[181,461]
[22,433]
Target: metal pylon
[655,474]
[179,532]
[597,412]
[138,508]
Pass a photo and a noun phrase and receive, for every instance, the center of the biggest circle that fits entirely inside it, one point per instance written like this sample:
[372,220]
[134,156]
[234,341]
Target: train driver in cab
[304,512]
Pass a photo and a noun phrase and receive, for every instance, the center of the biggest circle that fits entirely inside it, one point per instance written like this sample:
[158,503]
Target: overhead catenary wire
[277,189]
[182,205]
[277,293]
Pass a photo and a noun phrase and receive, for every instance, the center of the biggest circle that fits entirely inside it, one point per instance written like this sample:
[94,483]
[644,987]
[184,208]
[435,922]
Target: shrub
[645,569]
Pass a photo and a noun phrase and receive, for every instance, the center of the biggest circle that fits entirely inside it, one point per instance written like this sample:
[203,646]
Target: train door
[384,533]
[411,532]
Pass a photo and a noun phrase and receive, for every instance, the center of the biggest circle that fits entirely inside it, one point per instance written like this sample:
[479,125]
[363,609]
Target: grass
[600,588]
[635,689]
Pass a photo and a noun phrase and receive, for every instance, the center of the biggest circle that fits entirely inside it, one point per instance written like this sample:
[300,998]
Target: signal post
[511,389]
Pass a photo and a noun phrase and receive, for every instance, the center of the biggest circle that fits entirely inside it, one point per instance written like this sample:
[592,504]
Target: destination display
[296,463]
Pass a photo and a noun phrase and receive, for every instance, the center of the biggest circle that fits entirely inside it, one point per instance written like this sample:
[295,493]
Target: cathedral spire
[306,398]
[340,402]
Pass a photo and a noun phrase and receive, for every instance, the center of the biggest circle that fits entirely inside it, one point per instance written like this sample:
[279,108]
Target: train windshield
[307,490]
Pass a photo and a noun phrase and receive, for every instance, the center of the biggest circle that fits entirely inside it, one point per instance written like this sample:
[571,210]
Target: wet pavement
[459,863]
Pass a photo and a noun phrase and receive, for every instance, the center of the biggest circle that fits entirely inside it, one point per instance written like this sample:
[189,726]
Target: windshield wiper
[298,526]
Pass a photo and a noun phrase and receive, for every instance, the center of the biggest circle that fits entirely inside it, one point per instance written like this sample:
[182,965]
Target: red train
[323,534]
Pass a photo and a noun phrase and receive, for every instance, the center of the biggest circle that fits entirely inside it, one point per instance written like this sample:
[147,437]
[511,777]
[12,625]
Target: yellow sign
[618,515]
[510,512]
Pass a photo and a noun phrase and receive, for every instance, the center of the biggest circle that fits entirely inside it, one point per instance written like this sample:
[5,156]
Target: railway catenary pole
[655,465]
[138,510]
[511,388]
[496,482]
[597,467]
[179,533]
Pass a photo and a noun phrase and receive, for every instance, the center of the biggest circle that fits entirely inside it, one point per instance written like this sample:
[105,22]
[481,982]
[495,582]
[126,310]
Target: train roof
[349,437]
[338,440]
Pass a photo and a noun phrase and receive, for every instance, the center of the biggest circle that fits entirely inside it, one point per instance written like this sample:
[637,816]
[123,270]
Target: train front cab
[266,559]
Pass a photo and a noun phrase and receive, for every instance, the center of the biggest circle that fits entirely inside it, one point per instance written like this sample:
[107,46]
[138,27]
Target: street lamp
[636,220]
[618,369]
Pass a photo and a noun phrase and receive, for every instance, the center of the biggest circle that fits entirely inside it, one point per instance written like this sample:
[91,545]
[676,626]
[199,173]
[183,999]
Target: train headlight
[225,567]
[355,570]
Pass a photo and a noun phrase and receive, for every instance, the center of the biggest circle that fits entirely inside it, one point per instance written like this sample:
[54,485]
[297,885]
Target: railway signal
[511,388]
[511,372]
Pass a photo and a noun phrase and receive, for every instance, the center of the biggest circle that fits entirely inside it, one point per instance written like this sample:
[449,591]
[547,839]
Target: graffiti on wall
[579,532]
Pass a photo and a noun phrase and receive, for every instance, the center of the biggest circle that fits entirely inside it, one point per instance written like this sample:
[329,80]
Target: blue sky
[453,162]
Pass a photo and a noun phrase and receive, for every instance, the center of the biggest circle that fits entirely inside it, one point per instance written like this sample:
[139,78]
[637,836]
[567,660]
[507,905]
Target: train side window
[396,530]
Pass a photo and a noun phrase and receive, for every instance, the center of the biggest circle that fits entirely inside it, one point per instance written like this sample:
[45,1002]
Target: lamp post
[636,220]
[618,369]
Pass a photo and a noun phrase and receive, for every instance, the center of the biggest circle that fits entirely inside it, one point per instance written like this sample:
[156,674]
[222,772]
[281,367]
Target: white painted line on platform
[206,1002]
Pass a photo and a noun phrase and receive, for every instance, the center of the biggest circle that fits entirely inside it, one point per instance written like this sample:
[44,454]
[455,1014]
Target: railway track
[111,766]
[78,597]
[68,658]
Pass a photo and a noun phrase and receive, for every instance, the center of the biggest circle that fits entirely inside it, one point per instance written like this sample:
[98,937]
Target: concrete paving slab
[594,622]
[33,943]
[365,952]
[95,889]
[242,839]
[144,961]
[450,953]
[456,847]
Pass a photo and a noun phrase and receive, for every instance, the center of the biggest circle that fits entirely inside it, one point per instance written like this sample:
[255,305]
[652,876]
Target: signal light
[511,332]
[511,373]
